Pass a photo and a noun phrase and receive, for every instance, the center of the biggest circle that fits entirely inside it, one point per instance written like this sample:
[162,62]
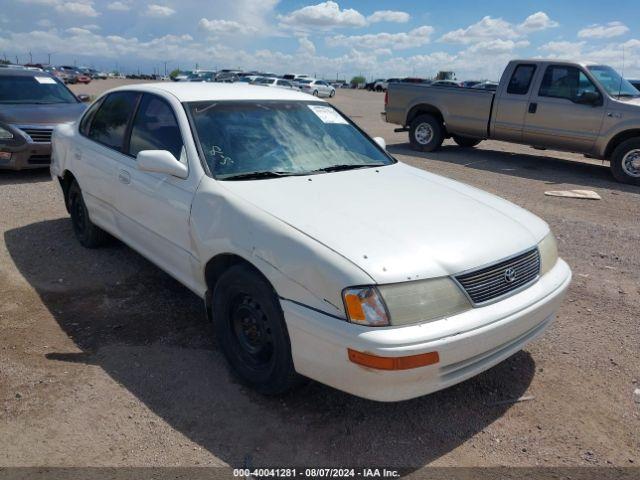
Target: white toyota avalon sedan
[316,253]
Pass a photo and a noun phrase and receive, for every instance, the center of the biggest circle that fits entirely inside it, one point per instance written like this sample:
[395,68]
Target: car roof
[199,92]
[15,72]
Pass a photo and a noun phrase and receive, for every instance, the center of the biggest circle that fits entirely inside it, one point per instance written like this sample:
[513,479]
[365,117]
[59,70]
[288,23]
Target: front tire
[625,162]
[88,234]
[466,142]
[315,93]
[426,133]
[252,334]
[332,93]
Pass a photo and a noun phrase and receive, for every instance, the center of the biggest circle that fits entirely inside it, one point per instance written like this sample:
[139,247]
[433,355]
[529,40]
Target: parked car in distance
[492,86]
[317,88]
[380,85]
[275,82]
[577,107]
[469,83]
[32,103]
[370,86]
[202,77]
[182,76]
[445,83]
[270,226]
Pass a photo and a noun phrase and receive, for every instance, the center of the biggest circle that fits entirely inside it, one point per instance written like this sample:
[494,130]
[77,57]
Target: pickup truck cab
[300,233]
[576,107]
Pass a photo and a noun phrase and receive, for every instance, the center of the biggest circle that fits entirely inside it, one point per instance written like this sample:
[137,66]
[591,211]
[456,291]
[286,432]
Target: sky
[332,39]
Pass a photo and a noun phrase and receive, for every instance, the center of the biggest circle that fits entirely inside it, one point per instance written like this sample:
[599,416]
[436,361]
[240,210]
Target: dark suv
[32,103]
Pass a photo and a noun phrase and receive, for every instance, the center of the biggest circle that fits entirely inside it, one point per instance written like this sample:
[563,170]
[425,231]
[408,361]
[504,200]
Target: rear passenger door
[511,106]
[555,117]
[98,152]
[154,208]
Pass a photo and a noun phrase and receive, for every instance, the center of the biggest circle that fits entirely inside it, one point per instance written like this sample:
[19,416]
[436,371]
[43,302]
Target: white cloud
[224,27]
[610,30]
[489,28]
[307,47]
[45,23]
[497,46]
[396,41]
[118,6]
[388,16]
[563,49]
[536,22]
[159,11]
[77,8]
[325,15]
[91,26]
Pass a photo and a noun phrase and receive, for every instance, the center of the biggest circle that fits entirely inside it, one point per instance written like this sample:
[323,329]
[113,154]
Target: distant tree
[174,73]
[358,79]
[4,62]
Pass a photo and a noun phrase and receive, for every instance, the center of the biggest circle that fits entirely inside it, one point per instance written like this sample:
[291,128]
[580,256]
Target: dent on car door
[154,207]
[102,133]
[557,116]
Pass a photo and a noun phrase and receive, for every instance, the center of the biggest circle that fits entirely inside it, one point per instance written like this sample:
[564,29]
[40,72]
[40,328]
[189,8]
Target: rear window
[521,79]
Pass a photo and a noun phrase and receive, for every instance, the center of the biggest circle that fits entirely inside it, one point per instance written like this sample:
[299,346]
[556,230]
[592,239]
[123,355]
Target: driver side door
[555,118]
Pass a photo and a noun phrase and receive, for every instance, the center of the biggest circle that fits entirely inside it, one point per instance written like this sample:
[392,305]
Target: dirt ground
[107,361]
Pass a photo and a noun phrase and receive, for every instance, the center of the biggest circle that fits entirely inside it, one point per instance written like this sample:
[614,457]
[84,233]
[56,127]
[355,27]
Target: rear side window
[110,122]
[155,128]
[85,123]
[521,79]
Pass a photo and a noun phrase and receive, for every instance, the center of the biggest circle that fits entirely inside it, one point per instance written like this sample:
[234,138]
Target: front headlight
[5,134]
[404,303]
[548,249]
[423,300]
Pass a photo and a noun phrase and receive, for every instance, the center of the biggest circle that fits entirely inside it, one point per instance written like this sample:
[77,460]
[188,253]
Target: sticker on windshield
[45,80]
[327,114]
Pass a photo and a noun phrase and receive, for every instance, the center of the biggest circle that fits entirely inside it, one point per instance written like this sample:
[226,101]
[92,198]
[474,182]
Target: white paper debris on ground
[587,194]
[636,395]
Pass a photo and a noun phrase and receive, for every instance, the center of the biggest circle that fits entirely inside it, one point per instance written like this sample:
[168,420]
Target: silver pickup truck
[576,107]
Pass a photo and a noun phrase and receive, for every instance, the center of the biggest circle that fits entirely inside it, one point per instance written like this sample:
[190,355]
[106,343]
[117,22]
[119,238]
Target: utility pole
[30,57]
[165,68]
[49,55]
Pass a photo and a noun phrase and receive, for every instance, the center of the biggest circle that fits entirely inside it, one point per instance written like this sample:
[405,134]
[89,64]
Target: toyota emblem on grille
[510,275]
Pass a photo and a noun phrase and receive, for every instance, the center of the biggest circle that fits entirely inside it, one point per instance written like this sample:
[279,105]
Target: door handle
[124,177]
[533,107]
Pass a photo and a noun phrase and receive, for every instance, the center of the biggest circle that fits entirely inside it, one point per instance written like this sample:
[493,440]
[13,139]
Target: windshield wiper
[342,167]
[258,175]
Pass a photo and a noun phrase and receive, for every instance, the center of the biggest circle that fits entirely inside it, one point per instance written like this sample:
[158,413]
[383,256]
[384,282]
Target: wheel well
[65,182]
[618,139]
[424,109]
[217,266]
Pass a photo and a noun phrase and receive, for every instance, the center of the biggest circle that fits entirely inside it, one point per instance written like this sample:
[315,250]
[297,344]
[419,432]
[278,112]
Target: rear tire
[625,162]
[251,330]
[315,93]
[426,133]
[88,234]
[466,142]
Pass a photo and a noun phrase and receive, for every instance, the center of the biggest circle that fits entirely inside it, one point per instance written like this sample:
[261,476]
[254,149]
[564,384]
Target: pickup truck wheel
[466,142]
[88,234]
[426,133]
[252,334]
[625,162]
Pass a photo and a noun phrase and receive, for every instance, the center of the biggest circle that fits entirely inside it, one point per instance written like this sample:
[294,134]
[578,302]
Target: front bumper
[26,156]
[468,343]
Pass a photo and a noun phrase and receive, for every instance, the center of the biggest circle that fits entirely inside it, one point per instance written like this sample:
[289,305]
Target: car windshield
[613,83]
[278,137]
[36,89]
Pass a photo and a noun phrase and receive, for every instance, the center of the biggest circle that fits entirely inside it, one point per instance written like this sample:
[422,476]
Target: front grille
[492,282]
[39,135]
[40,159]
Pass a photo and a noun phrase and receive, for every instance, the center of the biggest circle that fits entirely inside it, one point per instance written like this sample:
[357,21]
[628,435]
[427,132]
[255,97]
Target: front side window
[565,82]
[39,89]
[285,138]
[155,128]
[521,79]
[110,122]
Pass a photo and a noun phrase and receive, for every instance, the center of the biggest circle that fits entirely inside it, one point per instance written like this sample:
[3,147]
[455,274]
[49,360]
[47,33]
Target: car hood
[397,222]
[33,114]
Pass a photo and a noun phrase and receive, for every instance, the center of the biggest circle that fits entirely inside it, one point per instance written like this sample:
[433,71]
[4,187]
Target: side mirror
[83,97]
[589,98]
[381,143]
[161,161]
